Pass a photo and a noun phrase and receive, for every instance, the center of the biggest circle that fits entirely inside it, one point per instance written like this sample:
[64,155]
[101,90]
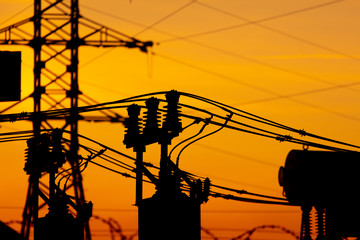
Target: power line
[257,22]
[134,23]
[199,138]
[113,16]
[248,193]
[259,62]
[303,93]
[252,185]
[272,29]
[226,108]
[16,14]
[214,194]
[166,17]
[247,21]
[259,119]
[241,156]
[277,96]
[249,200]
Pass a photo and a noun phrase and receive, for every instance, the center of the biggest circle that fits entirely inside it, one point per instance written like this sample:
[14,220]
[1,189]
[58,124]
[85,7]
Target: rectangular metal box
[10,76]
[169,219]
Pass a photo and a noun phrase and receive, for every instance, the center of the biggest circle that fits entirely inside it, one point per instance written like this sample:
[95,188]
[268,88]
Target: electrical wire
[237,155]
[206,122]
[16,14]
[213,193]
[259,62]
[248,193]
[265,121]
[211,133]
[91,157]
[56,112]
[321,5]
[115,171]
[258,23]
[277,96]
[249,200]
[102,145]
[281,138]
[224,107]
[249,22]
[303,93]
[113,160]
[166,17]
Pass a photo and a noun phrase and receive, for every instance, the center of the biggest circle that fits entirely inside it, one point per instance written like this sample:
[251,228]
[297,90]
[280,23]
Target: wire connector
[302,132]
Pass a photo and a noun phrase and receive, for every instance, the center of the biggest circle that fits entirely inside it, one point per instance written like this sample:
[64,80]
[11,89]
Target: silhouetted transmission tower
[55,32]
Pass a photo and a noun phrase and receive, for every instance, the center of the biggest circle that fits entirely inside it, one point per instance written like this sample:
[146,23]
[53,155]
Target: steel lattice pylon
[55,32]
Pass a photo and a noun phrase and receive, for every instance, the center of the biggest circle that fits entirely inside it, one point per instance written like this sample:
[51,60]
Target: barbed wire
[247,235]
[116,231]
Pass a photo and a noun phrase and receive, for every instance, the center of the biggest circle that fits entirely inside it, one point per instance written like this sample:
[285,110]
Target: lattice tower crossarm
[55,32]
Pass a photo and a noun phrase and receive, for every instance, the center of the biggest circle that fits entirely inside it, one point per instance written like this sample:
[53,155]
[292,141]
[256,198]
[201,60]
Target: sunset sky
[293,62]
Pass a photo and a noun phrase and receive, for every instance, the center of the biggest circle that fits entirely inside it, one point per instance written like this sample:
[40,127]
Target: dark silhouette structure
[169,213]
[10,79]
[45,154]
[328,181]
[55,32]
[8,233]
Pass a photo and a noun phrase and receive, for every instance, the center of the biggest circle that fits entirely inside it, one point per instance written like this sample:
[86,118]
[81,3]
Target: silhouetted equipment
[55,32]
[59,223]
[10,76]
[169,213]
[328,181]
[7,233]
[45,153]
[176,219]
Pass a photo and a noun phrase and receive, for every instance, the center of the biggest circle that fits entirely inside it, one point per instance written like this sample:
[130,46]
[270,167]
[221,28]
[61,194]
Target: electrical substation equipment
[45,154]
[169,210]
[329,182]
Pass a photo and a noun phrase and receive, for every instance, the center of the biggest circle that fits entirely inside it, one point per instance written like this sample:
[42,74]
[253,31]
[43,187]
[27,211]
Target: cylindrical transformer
[329,180]
[320,177]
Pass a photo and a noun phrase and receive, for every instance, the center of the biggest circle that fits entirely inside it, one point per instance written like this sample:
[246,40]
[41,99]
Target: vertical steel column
[30,213]
[139,176]
[36,44]
[73,93]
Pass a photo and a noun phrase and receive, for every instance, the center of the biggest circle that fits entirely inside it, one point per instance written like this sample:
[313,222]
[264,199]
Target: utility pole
[55,40]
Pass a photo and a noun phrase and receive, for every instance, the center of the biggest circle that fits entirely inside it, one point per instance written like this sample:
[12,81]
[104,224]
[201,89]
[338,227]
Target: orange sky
[209,48]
